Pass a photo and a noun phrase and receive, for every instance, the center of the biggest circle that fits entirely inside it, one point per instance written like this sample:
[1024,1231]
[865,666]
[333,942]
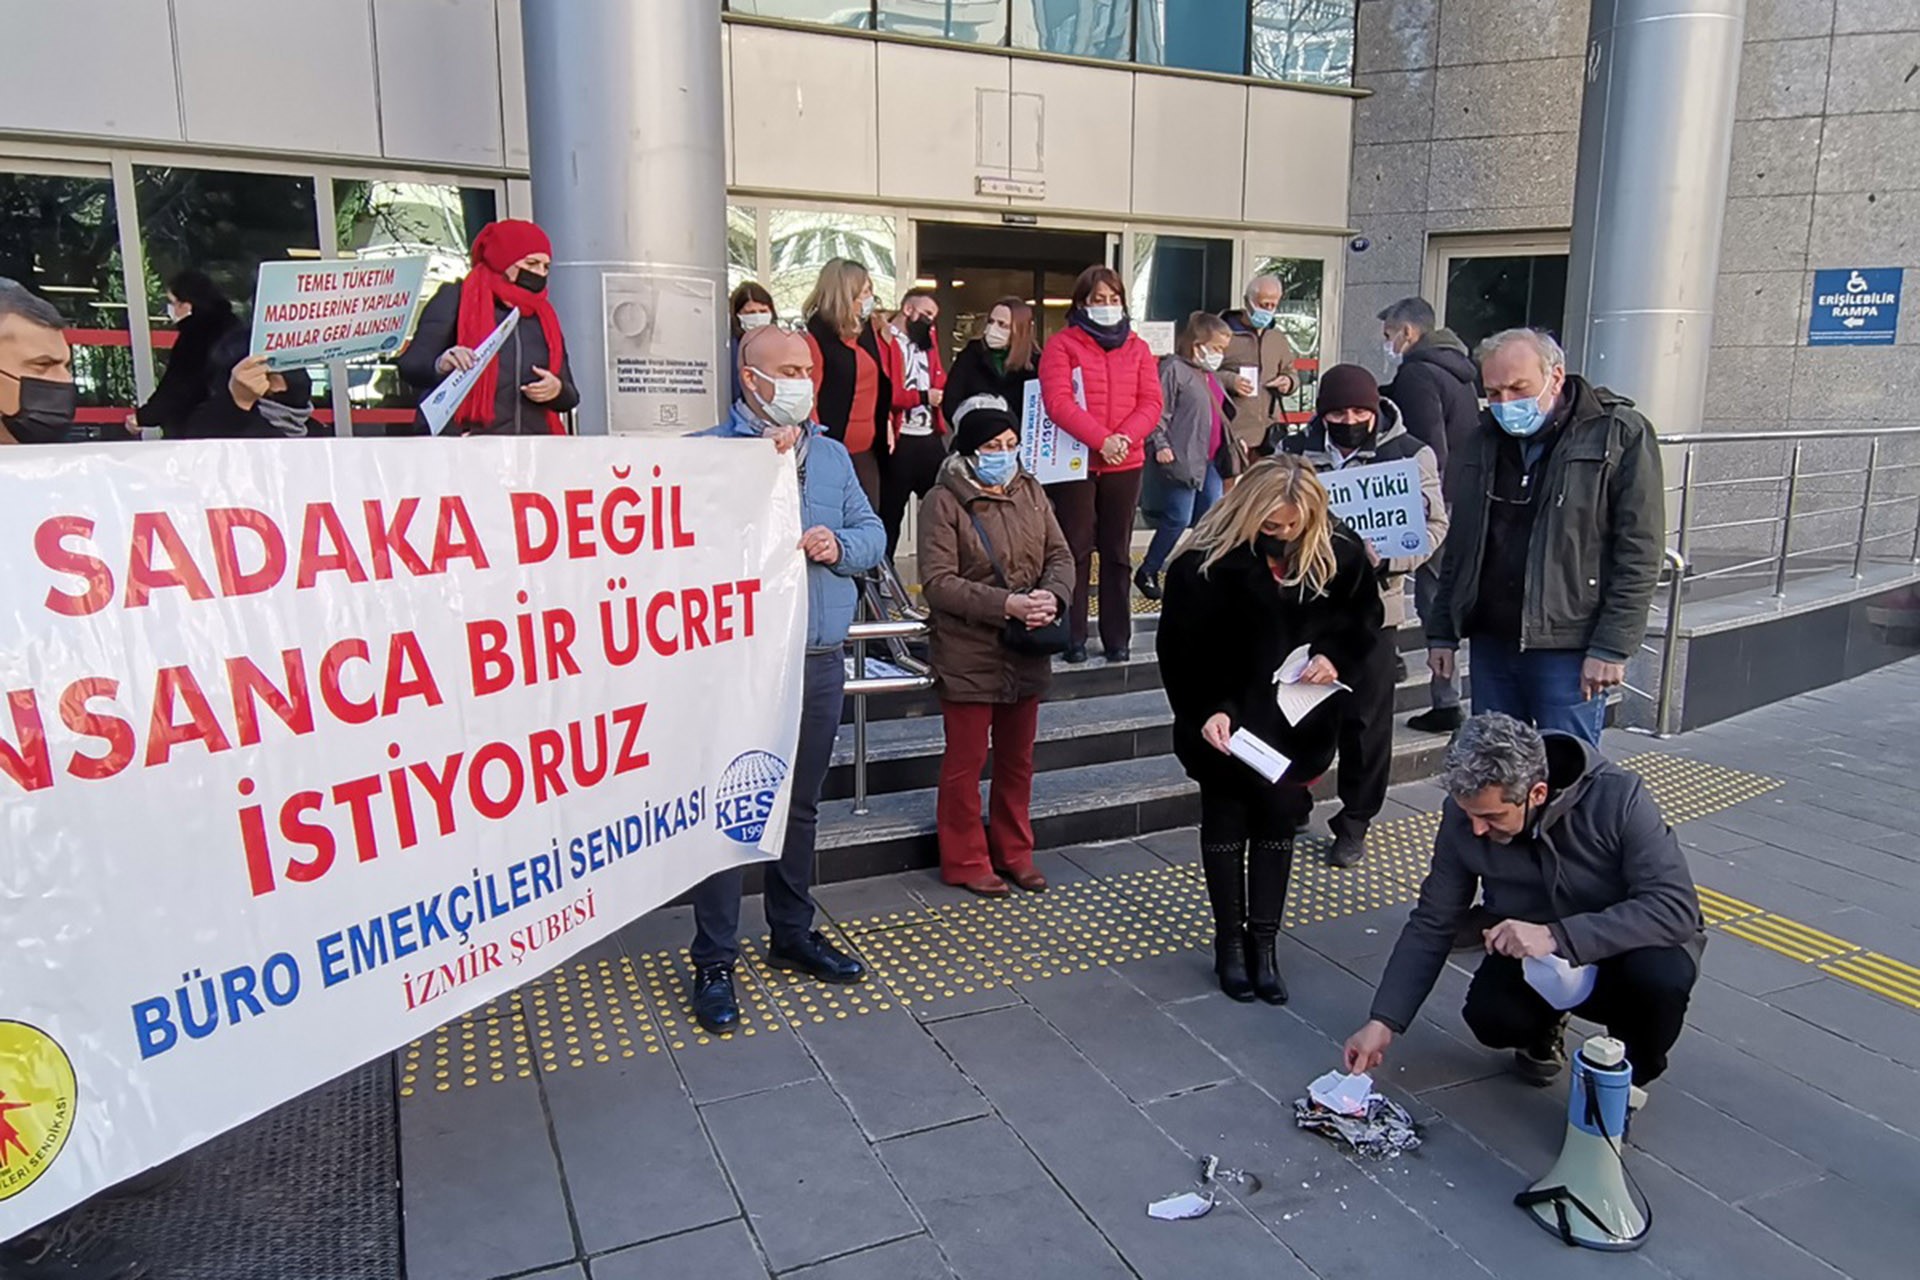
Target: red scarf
[498,246]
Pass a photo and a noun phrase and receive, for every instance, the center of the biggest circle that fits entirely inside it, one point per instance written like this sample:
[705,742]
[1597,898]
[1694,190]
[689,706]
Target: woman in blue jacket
[843,539]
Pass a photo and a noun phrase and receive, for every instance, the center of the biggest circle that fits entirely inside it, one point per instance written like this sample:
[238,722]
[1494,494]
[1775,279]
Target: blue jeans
[789,880]
[1172,511]
[1539,686]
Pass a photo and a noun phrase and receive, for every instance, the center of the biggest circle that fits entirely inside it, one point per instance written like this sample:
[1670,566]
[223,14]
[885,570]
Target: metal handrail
[1670,643]
[861,687]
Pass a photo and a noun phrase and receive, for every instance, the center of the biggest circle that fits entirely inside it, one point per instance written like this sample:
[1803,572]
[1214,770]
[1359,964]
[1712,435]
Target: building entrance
[970,267]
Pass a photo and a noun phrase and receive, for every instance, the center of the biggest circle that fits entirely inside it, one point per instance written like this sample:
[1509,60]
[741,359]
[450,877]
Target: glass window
[1174,276]
[1302,312]
[1305,41]
[1200,35]
[1486,294]
[972,21]
[59,238]
[833,13]
[376,219]
[801,241]
[1085,28]
[743,246]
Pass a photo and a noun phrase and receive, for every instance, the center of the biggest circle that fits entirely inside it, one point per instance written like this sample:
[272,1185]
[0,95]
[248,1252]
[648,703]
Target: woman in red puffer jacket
[1112,410]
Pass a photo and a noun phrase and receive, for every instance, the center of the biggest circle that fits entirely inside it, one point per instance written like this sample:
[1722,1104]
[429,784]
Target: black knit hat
[979,420]
[1348,386]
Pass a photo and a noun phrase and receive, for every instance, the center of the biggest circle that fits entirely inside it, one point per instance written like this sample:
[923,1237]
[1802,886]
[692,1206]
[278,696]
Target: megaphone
[1584,1199]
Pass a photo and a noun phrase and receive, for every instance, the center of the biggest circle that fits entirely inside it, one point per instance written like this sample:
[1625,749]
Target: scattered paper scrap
[1380,1128]
[1342,1093]
[1187,1204]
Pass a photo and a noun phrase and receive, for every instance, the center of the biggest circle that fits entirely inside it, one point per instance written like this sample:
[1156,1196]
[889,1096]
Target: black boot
[1226,870]
[1269,868]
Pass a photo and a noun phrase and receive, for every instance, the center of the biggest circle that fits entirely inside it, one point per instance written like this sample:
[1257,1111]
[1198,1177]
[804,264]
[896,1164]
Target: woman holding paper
[525,388]
[1269,598]
[1102,386]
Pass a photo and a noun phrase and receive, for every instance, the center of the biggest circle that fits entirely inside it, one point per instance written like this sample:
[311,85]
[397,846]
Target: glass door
[1309,268]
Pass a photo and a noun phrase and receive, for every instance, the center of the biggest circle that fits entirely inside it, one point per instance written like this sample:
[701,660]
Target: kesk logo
[37,1097]
[744,799]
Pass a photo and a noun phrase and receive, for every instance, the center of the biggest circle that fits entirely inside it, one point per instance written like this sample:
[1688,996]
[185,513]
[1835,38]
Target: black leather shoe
[818,959]
[715,1007]
[1148,584]
[1267,982]
[1119,655]
[1438,720]
[1230,966]
[1349,848]
[1075,654]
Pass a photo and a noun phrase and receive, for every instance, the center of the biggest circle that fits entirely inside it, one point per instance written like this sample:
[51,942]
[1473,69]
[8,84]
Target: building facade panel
[240,91]
[440,118]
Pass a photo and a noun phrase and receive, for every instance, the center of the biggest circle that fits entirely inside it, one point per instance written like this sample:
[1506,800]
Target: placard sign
[1383,504]
[308,313]
[1049,454]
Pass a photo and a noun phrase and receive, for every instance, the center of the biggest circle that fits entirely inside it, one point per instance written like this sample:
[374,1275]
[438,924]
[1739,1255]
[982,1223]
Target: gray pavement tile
[982,999]
[723,1252]
[1355,935]
[1116,859]
[1867,1232]
[1859,1077]
[1125,1034]
[1326,1207]
[1862,1017]
[466,1153]
[1271,1047]
[573,1271]
[891,1074]
[914,1258]
[1059,869]
[666,929]
[810,1183]
[1769,892]
[1697,1236]
[1812,1124]
[1845,818]
[1747,967]
[637,1163]
[1865,927]
[1850,872]
[1422,797]
[1714,1149]
[1522,1123]
[1708,838]
[992,1208]
[1179,846]
[932,890]
[867,904]
[742,1064]
[1105,1152]
[1173,975]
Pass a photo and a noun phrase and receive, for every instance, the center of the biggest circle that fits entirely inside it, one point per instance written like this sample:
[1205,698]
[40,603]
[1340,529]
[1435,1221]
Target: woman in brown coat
[991,556]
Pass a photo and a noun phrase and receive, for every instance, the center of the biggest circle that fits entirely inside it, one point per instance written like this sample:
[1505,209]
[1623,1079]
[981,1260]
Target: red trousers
[968,852]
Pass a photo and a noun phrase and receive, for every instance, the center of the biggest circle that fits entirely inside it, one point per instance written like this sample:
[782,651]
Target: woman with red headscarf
[529,384]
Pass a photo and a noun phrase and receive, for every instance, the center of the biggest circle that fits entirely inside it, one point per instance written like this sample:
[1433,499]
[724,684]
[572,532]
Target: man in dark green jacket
[1559,524]
[1574,860]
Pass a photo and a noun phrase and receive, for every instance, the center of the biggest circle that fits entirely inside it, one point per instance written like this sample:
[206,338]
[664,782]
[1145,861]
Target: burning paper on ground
[1346,1109]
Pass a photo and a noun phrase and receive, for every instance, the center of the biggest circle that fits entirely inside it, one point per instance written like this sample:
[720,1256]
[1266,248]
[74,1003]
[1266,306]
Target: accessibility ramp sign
[1855,306]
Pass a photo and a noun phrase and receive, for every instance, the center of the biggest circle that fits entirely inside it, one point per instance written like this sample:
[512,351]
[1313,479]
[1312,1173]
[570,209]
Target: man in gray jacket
[1574,860]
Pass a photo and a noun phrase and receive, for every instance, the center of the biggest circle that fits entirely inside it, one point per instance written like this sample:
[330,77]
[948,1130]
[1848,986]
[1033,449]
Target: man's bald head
[768,353]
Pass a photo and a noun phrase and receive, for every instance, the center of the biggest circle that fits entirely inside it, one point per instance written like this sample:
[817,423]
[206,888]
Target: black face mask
[46,412]
[531,281]
[1273,548]
[1350,435]
[921,332]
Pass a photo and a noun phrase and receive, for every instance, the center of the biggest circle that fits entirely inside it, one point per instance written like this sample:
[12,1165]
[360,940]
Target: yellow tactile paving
[602,1011]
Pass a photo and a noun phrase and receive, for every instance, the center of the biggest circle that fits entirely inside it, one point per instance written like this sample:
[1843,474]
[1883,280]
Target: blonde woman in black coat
[1267,571]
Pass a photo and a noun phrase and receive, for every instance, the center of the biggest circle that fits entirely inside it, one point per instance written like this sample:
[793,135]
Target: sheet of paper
[1562,985]
[1258,755]
[1343,1094]
[1188,1204]
[441,402]
[1296,700]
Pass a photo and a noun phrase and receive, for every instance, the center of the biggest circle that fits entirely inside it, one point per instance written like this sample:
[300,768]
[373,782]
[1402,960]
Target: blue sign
[1855,306]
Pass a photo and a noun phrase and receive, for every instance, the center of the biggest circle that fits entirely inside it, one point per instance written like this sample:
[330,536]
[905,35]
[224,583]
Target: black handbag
[1016,635]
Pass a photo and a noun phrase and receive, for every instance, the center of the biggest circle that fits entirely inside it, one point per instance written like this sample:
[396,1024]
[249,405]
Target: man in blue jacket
[843,539]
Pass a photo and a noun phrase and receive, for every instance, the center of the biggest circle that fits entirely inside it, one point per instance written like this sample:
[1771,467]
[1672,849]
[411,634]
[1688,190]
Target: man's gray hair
[17,300]
[1551,356]
[1495,750]
[1265,277]
[1414,313]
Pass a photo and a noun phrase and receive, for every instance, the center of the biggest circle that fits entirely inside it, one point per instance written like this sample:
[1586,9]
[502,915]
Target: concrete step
[1106,801]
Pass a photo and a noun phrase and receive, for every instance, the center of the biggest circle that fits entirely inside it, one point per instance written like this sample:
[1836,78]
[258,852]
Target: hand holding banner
[1383,504]
[444,400]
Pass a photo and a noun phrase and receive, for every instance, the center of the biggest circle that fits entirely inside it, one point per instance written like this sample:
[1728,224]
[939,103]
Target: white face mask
[866,306]
[997,337]
[1393,357]
[1209,358]
[1108,316]
[792,400]
[751,320]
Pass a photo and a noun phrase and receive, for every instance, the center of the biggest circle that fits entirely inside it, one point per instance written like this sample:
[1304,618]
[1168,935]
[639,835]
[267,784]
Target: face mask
[751,320]
[288,420]
[530,281]
[866,306]
[1519,418]
[1209,358]
[1349,435]
[792,400]
[1393,357]
[920,333]
[996,468]
[1107,316]
[46,411]
[1272,547]
[997,337]
[1260,319]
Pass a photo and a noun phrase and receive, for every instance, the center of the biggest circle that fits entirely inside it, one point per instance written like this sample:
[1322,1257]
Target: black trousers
[1097,514]
[1366,740]
[1246,851]
[1639,996]
[910,471]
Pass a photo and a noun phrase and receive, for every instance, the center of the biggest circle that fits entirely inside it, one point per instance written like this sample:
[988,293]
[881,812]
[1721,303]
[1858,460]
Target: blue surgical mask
[1260,319]
[1519,418]
[996,468]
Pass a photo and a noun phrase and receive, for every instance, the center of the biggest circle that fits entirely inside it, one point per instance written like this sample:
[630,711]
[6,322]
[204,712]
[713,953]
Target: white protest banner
[310,746]
[1047,453]
[444,400]
[1382,503]
[312,312]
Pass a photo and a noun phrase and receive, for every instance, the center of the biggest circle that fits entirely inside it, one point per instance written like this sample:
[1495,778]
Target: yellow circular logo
[37,1096]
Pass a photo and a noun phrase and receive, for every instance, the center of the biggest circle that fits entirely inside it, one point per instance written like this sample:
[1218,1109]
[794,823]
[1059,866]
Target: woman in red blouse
[852,395]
